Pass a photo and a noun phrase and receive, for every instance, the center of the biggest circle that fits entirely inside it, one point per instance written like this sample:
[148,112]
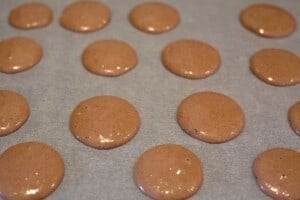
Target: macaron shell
[14,111]
[30,170]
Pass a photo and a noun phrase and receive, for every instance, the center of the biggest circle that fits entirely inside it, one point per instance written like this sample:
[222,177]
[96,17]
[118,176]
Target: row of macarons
[167,171]
[106,122]
[152,17]
[188,58]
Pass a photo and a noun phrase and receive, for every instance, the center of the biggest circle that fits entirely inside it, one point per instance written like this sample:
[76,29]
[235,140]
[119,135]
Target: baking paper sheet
[59,82]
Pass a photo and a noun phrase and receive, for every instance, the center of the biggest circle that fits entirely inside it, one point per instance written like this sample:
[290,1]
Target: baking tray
[59,82]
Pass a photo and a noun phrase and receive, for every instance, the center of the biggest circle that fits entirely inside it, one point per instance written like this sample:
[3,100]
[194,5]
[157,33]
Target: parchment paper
[59,82]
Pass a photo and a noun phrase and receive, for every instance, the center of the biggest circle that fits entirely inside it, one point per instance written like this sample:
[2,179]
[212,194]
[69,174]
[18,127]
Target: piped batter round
[104,122]
[168,172]
[30,170]
[268,20]
[85,16]
[277,173]
[294,117]
[109,58]
[191,59]
[276,67]
[18,54]
[14,111]
[154,17]
[211,117]
[31,15]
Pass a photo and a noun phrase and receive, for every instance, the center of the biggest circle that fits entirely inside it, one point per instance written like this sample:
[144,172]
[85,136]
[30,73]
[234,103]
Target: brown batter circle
[154,17]
[30,170]
[168,172]
[31,15]
[191,59]
[211,117]
[14,111]
[18,54]
[109,58]
[268,20]
[104,122]
[294,117]
[277,173]
[85,16]
[276,67]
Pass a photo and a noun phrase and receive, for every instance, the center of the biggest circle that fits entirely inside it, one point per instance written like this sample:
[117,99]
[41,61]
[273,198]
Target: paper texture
[59,82]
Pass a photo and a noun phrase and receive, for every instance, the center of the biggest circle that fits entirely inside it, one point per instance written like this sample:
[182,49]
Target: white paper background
[59,82]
